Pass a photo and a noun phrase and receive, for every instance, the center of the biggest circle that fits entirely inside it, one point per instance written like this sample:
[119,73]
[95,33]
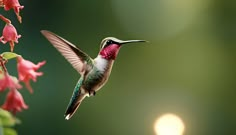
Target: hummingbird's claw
[92,93]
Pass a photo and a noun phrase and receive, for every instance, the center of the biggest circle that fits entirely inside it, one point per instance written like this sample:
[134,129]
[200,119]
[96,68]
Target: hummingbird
[94,73]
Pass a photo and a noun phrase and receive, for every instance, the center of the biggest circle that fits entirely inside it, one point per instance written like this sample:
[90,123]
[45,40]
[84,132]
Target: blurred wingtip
[45,32]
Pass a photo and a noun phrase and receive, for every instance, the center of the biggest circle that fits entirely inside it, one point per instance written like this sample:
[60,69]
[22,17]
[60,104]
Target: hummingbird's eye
[109,42]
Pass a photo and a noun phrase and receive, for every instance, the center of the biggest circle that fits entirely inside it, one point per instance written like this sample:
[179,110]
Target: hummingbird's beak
[132,41]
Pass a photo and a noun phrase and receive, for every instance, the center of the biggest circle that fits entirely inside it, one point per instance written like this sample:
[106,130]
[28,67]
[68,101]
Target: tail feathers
[71,110]
[74,105]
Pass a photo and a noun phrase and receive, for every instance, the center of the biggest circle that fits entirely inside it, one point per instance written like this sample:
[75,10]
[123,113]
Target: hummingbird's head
[110,46]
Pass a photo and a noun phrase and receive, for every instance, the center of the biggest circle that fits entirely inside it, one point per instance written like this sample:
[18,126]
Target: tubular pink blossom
[13,4]
[27,70]
[8,81]
[10,35]
[14,102]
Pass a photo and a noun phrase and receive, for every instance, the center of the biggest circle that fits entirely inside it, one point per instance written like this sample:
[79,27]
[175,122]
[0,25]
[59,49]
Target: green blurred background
[188,67]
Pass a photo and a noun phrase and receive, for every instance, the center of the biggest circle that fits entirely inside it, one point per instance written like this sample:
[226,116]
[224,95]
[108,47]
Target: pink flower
[14,101]
[9,34]
[13,4]
[27,70]
[8,81]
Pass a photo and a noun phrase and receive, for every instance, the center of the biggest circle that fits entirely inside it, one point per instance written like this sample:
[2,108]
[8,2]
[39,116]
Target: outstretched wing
[77,58]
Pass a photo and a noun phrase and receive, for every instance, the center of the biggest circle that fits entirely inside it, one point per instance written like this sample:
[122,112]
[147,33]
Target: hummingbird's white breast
[101,63]
[99,74]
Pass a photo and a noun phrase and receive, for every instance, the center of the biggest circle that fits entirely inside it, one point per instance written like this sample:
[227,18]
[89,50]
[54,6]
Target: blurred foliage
[7,122]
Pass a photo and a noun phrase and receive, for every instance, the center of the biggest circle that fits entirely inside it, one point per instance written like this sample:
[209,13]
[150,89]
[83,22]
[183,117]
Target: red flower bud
[14,101]
[27,70]
[9,34]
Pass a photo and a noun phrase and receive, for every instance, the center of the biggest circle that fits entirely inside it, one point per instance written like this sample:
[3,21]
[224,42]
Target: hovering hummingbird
[94,72]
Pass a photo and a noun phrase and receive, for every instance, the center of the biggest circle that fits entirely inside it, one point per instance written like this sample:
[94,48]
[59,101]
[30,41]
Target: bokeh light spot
[169,124]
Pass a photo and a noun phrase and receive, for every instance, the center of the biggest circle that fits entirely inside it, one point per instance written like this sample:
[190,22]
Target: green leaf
[9,131]
[6,119]
[9,55]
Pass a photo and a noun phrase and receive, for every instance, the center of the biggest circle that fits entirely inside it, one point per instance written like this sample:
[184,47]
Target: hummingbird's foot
[92,93]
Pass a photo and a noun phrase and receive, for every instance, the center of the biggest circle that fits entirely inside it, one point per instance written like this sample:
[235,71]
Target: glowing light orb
[169,124]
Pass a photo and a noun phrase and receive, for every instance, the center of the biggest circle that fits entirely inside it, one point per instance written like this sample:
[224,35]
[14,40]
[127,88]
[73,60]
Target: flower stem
[2,64]
[5,19]
[1,3]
